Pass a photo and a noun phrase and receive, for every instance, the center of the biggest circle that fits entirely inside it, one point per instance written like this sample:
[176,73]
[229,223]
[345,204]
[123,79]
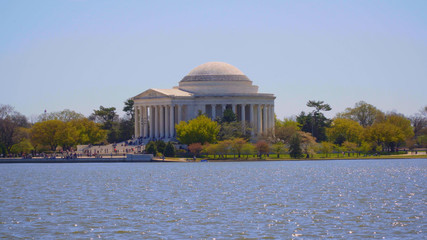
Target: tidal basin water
[239,200]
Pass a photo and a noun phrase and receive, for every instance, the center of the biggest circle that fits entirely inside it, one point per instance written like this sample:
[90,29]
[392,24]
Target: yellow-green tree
[237,145]
[343,129]
[389,133]
[88,132]
[278,148]
[326,148]
[50,133]
[199,130]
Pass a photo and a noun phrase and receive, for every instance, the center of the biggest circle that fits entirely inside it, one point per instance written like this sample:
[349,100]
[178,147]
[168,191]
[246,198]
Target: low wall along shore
[128,158]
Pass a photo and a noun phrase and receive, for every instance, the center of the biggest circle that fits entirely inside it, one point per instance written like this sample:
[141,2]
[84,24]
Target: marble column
[145,121]
[213,111]
[171,121]
[251,118]
[157,122]
[259,128]
[151,122]
[234,108]
[243,115]
[136,122]
[141,115]
[264,119]
[167,119]
[179,113]
[162,121]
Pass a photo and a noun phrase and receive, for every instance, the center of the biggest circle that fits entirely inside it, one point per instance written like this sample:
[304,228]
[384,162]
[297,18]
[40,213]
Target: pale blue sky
[83,54]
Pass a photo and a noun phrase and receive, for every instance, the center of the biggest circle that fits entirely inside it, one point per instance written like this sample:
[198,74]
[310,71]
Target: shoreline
[183,160]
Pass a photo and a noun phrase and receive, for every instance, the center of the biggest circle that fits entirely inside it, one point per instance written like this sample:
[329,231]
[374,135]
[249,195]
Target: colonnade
[158,121]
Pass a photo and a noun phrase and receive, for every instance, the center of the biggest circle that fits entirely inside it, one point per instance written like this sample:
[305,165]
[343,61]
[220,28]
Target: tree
[285,129]
[308,143]
[201,129]
[262,148]
[10,123]
[50,133]
[248,149]
[278,148]
[315,122]
[295,146]
[129,109]
[109,121]
[105,116]
[391,132]
[22,147]
[223,148]
[195,148]
[170,150]
[65,115]
[343,129]
[88,132]
[151,148]
[349,147]
[237,145]
[365,114]
[326,148]
[228,116]
[161,146]
[229,130]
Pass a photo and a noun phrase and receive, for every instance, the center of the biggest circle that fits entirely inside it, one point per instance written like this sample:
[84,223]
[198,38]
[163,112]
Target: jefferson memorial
[209,89]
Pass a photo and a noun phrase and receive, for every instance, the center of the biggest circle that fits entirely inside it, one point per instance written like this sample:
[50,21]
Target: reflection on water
[271,200]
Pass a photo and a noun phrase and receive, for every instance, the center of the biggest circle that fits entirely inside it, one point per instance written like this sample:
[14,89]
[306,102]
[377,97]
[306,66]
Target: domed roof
[215,71]
[217,78]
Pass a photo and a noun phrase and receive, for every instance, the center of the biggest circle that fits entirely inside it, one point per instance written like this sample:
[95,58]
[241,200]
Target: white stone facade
[209,88]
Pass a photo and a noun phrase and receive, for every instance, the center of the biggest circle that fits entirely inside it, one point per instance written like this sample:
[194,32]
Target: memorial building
[209,89]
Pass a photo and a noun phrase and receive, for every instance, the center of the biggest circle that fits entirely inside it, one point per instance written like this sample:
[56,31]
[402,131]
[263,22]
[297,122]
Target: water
[253,200]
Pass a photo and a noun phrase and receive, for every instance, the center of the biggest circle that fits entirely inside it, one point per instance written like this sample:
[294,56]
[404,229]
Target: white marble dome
[217,78]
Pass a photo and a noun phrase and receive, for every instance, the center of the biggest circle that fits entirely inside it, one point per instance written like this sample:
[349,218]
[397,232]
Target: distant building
[209,88]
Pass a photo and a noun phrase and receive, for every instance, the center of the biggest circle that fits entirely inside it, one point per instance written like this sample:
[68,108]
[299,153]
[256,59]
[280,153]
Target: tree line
[362,129]
[62,130]
[359,129]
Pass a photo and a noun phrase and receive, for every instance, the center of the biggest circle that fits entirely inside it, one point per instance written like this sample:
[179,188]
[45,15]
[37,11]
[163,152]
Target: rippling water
[270,200]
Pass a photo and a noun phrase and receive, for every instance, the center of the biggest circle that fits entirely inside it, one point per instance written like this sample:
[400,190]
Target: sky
[79,55]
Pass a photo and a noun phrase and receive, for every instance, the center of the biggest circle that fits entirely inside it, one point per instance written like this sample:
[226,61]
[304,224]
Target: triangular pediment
[151,93]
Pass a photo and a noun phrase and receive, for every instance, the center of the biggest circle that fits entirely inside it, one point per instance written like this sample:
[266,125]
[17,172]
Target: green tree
[161,146]
[228,116]
[363,113]
[109,121]
[315,122]
[295,150]
[201,129]
[170,150]
[129,109]
[150,148]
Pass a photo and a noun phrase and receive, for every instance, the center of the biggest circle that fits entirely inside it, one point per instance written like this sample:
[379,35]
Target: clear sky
[82,54]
